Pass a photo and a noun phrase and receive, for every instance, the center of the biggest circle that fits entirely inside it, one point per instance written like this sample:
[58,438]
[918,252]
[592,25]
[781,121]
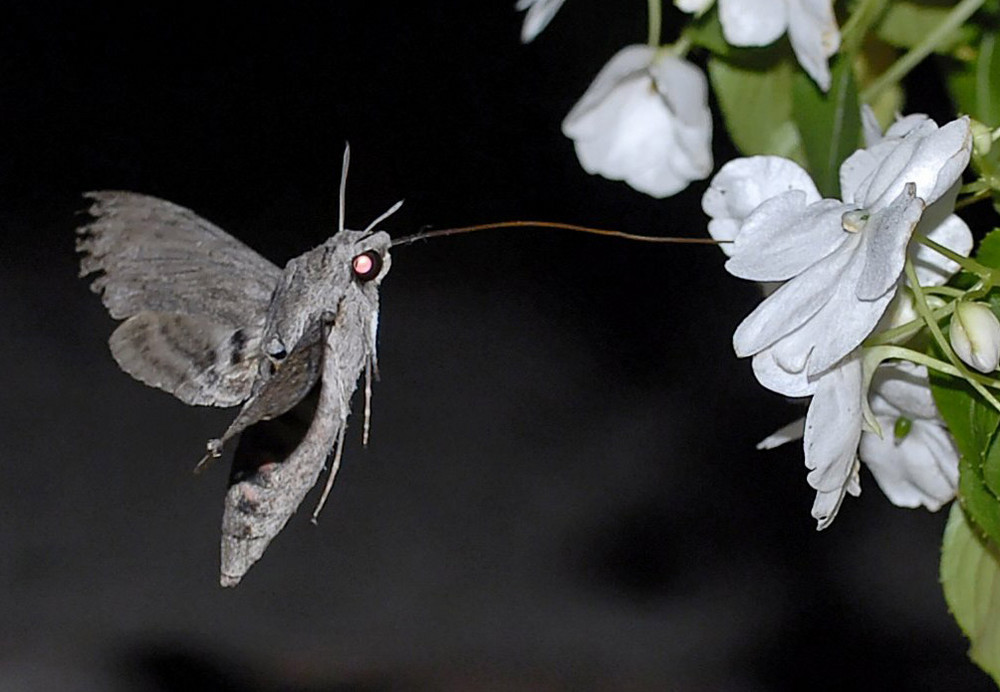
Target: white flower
[645,120]
[975,335]
[841,264]
[840,261]
[540,13]
[833,429]
[917,469]
[810,24]
[920,467]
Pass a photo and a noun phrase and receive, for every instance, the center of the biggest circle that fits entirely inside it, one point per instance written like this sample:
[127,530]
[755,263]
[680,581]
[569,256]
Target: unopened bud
[982,138]
[975,336]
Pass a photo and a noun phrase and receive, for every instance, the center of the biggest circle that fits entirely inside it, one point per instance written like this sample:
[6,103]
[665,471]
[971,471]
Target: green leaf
[830,124]
[991,474]
[971,421]
[989,250]
[907,22]
[973,424]
[975,85]
[979,503]
[756,101]
[970,575]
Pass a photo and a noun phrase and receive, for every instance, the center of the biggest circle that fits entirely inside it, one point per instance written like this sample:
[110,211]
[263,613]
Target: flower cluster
[874,313]
[839,266]
[645,118]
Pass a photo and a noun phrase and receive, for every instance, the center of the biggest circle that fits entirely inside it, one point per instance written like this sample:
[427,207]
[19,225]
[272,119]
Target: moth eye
[276,349]
[367,265]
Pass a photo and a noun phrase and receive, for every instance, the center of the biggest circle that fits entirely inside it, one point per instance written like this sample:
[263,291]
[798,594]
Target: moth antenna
[440,233]
[334,467]
[343,184]
[385,215]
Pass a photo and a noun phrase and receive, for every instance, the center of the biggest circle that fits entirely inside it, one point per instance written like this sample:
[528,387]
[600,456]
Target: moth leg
[213,450]
[368,402]
[334,467]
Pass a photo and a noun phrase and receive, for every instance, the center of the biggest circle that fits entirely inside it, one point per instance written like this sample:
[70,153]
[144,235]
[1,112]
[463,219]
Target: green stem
[862,18]
[683,45]
[975,197]
[930,362]
[966,263]
[655,22]
[920,302]
[905,331]
[943,291]
[911,58]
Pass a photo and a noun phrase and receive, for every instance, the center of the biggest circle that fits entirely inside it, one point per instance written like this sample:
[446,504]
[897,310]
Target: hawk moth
[215,324]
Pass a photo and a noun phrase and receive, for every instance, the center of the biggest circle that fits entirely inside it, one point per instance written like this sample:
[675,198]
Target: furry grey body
[214,323]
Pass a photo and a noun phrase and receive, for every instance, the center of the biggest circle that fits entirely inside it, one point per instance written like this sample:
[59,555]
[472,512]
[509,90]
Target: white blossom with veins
[841,262]
[645,120]
[810,24]
[917,469]
[540,13]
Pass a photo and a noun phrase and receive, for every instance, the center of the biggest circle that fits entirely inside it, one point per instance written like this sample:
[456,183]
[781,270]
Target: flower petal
[790,380]
[540,13]
[902,388]
[832,432]
[919,470]
[741,185]
[934,269]
[684,88]
[629,62]
[840,325]
[792,305]
[783,237]
[787,433]
[752,22]
[870,126]
[813,33]
[932,162]
[905,124]
[859,169]
[885,238]
[692,6]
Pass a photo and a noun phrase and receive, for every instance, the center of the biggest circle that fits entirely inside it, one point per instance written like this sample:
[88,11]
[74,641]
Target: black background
[561,489]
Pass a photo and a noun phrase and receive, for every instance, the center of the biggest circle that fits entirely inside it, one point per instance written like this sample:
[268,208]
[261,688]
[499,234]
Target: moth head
[366,255]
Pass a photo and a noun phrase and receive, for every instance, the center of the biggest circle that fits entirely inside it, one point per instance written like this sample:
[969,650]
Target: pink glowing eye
[367,265]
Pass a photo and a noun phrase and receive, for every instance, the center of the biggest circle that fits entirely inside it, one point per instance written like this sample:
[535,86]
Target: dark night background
[561,491]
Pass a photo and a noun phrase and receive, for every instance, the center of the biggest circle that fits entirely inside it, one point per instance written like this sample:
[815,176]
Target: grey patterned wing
[157,256]
[286,386]
[201,362]
[194,298]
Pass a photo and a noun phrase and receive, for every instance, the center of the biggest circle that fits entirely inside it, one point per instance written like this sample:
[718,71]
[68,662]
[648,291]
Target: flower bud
[975,336]
[982,138]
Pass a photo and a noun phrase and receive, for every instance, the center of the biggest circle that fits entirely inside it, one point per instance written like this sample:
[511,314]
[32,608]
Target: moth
[215,324]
